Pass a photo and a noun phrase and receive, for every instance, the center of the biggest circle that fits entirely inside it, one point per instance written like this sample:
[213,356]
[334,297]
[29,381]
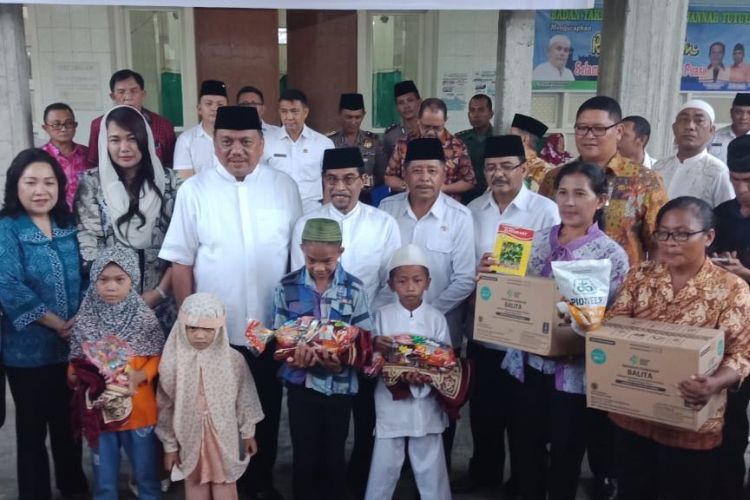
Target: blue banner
[567,46]
[714,57]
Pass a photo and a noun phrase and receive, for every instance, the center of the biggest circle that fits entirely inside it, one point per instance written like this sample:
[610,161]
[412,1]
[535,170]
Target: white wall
[467,43]
[72,57]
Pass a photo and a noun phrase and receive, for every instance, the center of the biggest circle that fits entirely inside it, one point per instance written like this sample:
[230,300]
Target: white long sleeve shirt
[421,413]
[370,236]
[446,234]
[301,160]
[236,235]
[703,176]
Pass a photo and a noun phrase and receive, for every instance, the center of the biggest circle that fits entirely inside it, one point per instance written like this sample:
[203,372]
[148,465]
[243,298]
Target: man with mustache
[740,115]
[459,174]
[508,201]
[370,237]
[229,236]
[194,150]
[692,171]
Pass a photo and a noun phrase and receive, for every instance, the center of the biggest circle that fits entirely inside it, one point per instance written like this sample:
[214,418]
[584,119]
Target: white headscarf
[117,198]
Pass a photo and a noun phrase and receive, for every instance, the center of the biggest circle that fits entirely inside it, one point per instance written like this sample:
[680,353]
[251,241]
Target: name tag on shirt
[279,155]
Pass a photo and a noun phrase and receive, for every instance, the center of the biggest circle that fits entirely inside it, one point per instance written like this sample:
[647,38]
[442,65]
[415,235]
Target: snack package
[110,356]
[585,286]
[512,250]
[336,337]
[420,352]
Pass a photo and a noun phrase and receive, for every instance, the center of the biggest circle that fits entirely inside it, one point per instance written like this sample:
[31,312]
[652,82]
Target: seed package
[512,250]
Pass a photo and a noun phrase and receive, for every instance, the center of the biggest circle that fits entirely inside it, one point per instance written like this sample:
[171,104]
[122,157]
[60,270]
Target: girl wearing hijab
[207,402]
[113,307]
[128,201]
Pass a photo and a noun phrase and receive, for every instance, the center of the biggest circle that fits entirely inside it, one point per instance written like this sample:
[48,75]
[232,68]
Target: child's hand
[251,446]
[135,378]
[171,459]
[330,361]
[414,378]
[304,357]
[383,343]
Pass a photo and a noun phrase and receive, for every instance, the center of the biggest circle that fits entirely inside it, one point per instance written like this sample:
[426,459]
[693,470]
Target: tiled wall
[72,53]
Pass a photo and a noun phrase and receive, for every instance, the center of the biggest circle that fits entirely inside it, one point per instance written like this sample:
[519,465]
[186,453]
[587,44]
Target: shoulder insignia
[332,133]
[463,133]
[391,127]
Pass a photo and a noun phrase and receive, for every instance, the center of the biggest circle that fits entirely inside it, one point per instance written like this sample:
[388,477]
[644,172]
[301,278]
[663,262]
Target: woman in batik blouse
[552,399]
[682,287]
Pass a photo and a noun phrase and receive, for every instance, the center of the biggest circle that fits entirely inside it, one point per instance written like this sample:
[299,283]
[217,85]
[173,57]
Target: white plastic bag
[585,286]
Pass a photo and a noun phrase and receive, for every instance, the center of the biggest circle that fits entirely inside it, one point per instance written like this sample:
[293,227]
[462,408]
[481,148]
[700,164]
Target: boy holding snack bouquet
[418,417]
[320,388]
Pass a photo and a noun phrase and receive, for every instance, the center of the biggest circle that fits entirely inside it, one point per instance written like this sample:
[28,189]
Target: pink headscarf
[550,154]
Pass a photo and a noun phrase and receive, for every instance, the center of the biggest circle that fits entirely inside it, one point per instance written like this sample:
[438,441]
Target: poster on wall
[714,57]
[567,44]
[453,90]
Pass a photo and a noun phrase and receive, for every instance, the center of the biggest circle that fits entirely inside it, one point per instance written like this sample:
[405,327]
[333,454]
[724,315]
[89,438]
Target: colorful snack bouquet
[101,397]
[110,356]
[420,352]
[350,343]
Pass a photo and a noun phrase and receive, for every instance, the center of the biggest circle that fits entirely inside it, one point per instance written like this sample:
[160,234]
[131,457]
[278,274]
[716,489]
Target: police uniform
[396,131]
[369,147]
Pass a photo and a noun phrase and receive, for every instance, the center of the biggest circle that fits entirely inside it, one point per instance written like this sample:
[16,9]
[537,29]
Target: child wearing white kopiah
[418,419]
[208,405]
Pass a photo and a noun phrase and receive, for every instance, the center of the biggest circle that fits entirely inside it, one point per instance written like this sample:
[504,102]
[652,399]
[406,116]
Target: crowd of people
[165,249]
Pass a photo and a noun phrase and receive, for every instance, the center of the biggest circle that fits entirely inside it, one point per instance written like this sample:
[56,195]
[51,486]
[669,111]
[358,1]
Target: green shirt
[475,144]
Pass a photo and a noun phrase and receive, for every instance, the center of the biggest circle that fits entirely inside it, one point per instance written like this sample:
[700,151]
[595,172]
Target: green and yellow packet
[512,250]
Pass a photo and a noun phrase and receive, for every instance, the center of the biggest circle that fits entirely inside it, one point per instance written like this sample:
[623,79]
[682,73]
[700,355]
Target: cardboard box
[633,367]
[521,312]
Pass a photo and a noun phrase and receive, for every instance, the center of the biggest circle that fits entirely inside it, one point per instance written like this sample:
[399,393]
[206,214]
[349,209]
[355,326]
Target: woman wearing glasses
[551,406]
[684,287]
[60,124]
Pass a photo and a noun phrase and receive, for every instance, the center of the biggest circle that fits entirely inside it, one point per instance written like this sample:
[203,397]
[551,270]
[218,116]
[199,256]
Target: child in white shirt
[418,418]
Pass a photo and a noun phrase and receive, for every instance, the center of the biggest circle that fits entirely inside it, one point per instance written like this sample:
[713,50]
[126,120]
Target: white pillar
[15,97]
[515,54]
[641,62]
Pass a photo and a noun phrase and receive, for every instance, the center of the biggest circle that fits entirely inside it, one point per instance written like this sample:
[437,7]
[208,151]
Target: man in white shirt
[229,235]
[740,114]
[370,237]
[194,151]
[558,52]
[297,150]
[253,97]
[692,171]
[443,228]
[507,201]
[636,132]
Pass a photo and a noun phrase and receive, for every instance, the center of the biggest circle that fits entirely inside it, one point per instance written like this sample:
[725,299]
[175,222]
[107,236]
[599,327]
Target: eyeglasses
[506,169]
[678,236]
[348,180]
[62,126]
[597,130]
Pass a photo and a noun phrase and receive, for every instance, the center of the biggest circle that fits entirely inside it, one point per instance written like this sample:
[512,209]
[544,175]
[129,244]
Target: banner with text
[567,44]
[714,57]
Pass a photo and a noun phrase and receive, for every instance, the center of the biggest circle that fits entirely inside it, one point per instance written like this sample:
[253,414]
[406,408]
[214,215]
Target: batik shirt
[569,373]
[344,300]
[635,196]
[713,298]
[73,166]
[457,162]
[37,275]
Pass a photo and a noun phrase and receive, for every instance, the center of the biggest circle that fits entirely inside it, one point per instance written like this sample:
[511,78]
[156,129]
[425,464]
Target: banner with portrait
[567,44]
[714,57]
